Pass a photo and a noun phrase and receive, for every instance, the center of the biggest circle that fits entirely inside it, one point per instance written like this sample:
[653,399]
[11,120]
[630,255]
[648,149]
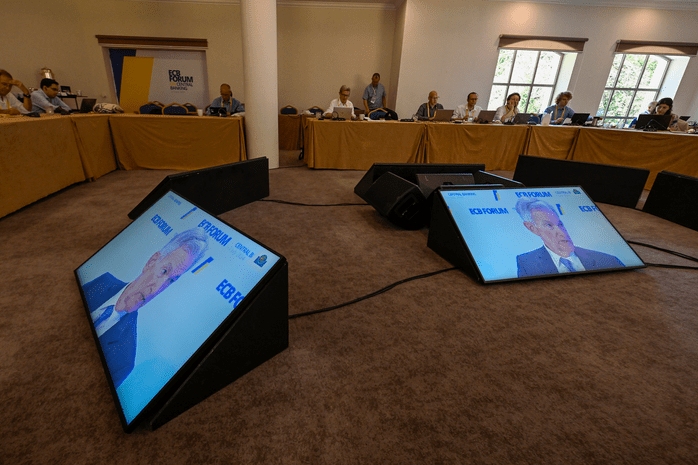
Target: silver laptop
[342,112]
[443,115]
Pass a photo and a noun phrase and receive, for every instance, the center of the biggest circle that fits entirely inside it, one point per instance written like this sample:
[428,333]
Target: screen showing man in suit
[159,290]
[558,254]
[575,234]
[114,304]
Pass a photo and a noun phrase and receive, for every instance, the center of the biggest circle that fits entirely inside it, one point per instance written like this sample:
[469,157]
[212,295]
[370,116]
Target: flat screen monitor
[217,189]
[617,185]
[563,233]
[160,294]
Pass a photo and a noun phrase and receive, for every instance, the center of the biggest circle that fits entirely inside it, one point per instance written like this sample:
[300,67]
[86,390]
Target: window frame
[530,86]
[613,89]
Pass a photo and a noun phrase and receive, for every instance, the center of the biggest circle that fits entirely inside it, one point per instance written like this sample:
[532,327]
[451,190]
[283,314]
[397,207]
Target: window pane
[620,103]
[604,102]
[630,74]
[652,77]
[641,102]
[613,122]
[540,97]
[497,97]
[524,65]
[614,70]
[506,58]
[524,91]
[547,67]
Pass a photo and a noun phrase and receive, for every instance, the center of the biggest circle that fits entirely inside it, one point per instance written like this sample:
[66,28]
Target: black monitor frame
[218,188]
[255,331]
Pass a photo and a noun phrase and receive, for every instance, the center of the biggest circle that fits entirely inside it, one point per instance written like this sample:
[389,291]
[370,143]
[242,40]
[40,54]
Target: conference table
[291,131]
[358,144]
[43,155]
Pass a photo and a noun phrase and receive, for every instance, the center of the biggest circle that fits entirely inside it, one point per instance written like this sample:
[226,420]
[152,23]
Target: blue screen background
[495,240]
[173,325]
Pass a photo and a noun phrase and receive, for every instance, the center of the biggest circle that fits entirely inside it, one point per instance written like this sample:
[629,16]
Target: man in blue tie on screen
[558,254]
[114,304]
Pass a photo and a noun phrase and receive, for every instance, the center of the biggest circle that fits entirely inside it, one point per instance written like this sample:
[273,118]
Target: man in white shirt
[469,111]
[342,101]
[9,105]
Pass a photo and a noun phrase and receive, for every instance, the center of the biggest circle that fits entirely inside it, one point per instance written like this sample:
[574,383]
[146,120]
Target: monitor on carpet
[217,189]
[506,234]
[160,295]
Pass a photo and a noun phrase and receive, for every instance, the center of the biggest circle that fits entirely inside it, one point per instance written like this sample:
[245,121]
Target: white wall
[321,49]
[446,45]
[61,35]
[451,46]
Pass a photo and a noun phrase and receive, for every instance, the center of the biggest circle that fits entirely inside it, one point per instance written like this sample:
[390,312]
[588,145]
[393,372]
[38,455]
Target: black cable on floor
[678,254]
[373,294]
[311,204]
[677,267]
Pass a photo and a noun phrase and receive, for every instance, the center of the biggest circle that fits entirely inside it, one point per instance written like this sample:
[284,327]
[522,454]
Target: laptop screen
[525,232]
[160,293]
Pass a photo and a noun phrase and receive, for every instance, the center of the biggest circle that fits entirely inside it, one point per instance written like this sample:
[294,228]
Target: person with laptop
[649,111]
[427,110]
[46,99]
[468,111]
[341,102]
[226,101]
[558,253]
[664,107]
[560,111]
[507,113]
[9,105]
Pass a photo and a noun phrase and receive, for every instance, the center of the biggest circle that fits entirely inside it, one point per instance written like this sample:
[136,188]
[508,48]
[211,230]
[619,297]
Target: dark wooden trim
[574,44]
[681,48]
[554,39]
[152,41]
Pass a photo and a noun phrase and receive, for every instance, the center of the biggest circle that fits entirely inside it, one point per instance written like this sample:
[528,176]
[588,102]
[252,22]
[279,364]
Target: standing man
[45,99]
[342,101]
[374,94]
[469,111]
[9,105]
[428,109]
[226,101]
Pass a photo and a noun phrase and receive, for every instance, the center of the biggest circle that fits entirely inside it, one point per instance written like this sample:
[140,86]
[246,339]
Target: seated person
[374,95]
[342,101]
[469,110]
[428,109]
[45,99]
[507,113]
[650,110]
[226,101]
[9,105]
[664,106]
[560,111]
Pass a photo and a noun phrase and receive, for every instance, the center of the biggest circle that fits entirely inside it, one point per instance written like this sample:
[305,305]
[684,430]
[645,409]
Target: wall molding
[361,5]
[691,5]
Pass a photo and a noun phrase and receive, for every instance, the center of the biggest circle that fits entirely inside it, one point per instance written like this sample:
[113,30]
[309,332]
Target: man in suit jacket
[114,304]
[558,254]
